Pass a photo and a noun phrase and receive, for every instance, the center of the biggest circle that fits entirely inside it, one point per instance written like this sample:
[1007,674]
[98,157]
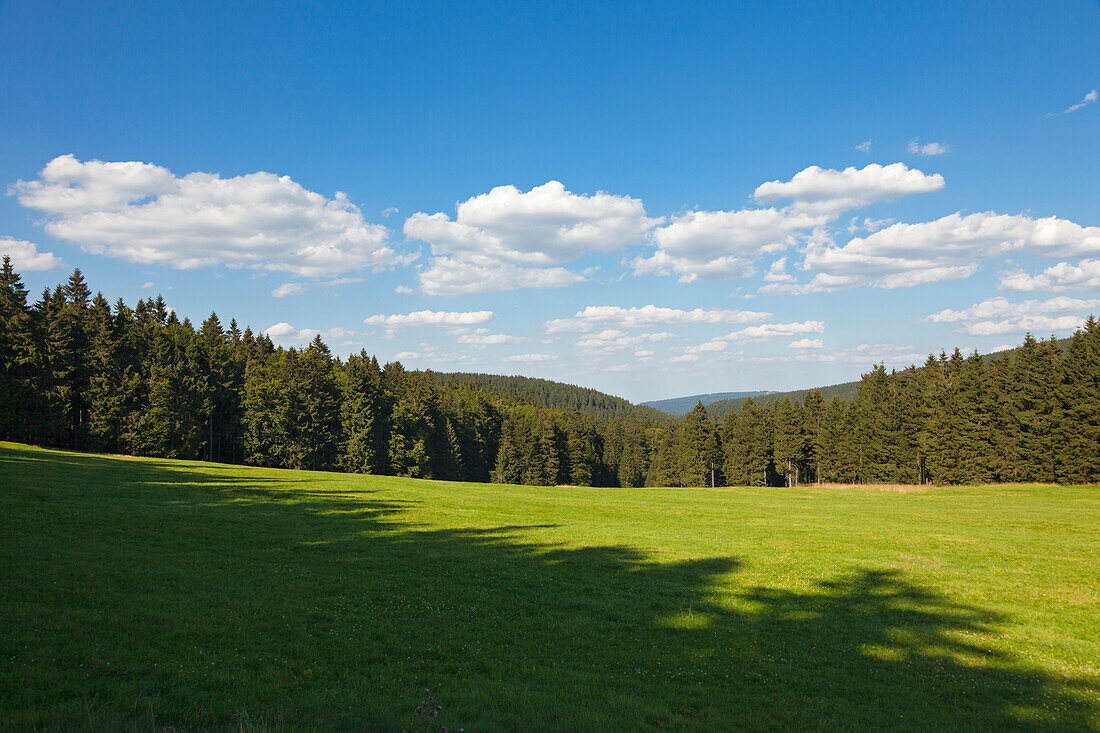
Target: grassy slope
[140,594]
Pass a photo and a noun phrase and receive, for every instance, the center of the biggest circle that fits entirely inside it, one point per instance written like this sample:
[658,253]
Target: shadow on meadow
[156,597]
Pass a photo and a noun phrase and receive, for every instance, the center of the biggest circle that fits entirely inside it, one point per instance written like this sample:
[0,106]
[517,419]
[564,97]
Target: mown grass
[170,595]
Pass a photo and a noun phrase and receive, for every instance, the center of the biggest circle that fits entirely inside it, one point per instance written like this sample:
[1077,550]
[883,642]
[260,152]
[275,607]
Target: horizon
[662,203]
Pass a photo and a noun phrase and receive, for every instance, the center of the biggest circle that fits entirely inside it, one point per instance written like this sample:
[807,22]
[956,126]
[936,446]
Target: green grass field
[144,594]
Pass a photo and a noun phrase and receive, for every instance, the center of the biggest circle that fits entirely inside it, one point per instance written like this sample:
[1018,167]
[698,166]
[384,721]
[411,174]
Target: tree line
[80,373]
[1031,415]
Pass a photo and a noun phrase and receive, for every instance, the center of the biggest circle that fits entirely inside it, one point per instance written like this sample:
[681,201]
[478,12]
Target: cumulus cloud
[432,355]
[826,192]
[646,316]
[806,344]
[1085,101]
[916,147]
[288,289]
[1085,275]
[704,245]
[483,337]
[761,332]
[429,318]
[297,288]
[530,358]
[525,234]
[867,225]
[777,273]
[997,316]
[864,147]
[285,334]
[25,256]
[458,276]
[143,213]
[862,355]
[948,248]
[719,244]
[611,339]
[771,330]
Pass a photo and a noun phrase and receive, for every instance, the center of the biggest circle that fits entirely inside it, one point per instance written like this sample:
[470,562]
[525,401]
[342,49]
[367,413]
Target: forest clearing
[152,594]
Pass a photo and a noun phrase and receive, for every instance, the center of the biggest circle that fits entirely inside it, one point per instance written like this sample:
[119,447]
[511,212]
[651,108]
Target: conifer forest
[80,373]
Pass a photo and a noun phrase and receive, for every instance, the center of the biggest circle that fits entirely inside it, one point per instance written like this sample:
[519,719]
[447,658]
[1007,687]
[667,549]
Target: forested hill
[550,394]
[683,405]
[81,373]
[846,391]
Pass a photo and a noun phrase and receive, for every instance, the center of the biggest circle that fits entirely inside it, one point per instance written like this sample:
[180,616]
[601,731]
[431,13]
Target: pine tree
[360,383]
[790,440]
[17,356]
[697,449]
[1078,432]
[813,409]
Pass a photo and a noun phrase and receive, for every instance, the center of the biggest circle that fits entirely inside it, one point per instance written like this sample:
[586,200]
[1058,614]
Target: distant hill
[845,390]
[683,405]
[556,394]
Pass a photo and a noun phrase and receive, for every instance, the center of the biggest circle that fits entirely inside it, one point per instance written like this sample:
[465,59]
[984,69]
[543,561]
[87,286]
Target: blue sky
[644,198]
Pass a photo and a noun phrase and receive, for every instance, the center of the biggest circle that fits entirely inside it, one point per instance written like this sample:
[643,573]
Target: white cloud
[482,337]
[429,318]
[821,283]
[288,335]
[778,272]
[524,234]
[826,192]
[771,330]
[285,334]
[611,339]
[389,211]
[432,355]
[25,256]
[297,288]
[762,332]
[647,316]
[719,244]
[867,225]
[1085,275]
[864,147]
[806,344]
[948,248]
[147,285]
[1087,100]
[530,358]
[403,290]
[456,276]
[288,289]
[997,316]
[862,355]
[339,333]
[143,213]
[916,147]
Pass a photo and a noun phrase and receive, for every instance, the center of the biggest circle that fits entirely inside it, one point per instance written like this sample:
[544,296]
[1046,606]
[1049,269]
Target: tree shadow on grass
[204,604]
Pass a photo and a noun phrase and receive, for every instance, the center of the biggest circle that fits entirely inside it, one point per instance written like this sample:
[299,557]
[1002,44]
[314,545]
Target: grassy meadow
[149,594]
